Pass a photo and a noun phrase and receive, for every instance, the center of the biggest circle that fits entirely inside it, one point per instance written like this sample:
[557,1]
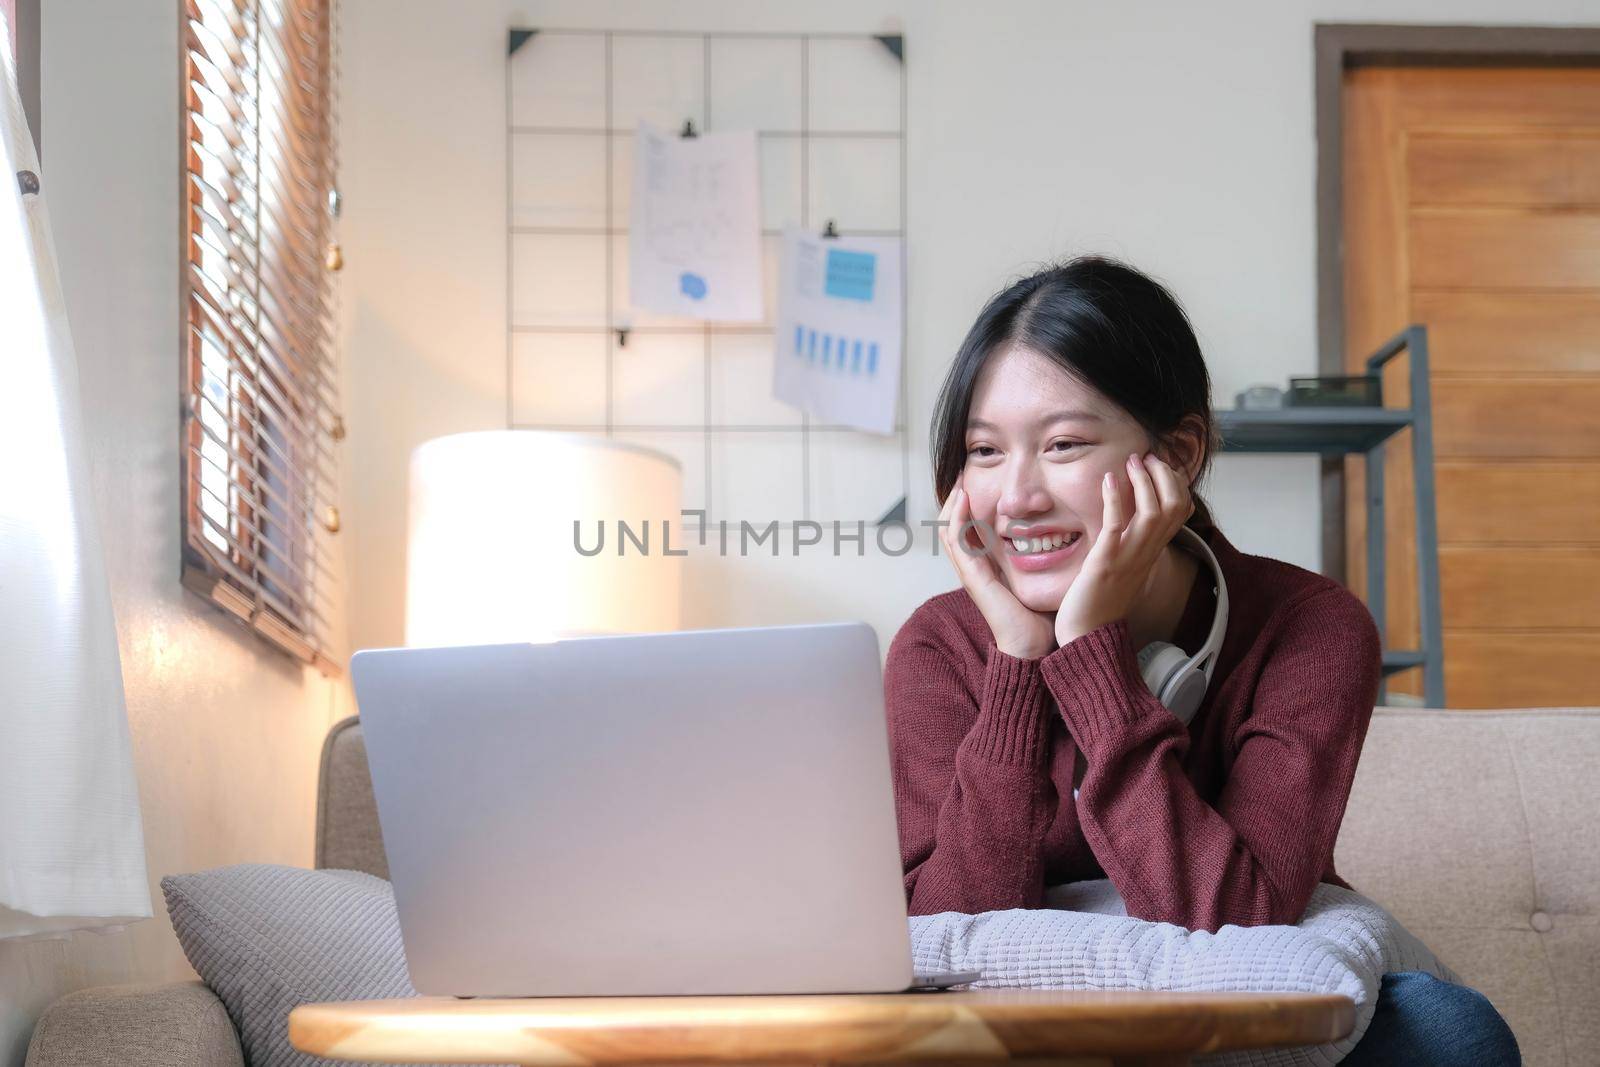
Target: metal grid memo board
[829,115]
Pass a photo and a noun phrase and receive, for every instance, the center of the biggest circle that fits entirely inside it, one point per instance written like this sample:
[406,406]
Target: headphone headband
[1219,621]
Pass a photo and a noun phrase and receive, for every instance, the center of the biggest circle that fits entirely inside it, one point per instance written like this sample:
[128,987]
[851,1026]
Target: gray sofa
[1480,831]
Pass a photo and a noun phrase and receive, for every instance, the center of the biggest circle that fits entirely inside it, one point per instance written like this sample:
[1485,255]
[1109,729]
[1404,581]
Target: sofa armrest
[181,1024]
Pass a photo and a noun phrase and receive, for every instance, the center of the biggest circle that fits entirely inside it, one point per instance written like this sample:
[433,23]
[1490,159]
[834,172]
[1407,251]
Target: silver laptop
[696,812]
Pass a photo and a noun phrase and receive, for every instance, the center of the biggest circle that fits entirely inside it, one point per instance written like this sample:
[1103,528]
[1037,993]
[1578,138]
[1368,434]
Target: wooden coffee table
[968,1028]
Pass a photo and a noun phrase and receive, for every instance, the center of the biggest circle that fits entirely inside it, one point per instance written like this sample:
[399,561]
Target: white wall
[226,731]
[1179,136]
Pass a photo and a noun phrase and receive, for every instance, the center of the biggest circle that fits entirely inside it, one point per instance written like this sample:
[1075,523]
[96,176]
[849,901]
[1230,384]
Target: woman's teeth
[1042,544]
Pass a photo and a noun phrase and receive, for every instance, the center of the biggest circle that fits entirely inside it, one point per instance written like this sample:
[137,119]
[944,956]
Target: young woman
[1067,442]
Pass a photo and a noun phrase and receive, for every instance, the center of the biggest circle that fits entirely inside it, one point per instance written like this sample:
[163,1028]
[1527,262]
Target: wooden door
[1472,205]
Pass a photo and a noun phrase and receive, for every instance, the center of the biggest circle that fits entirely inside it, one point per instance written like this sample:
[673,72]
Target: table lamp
[491,553]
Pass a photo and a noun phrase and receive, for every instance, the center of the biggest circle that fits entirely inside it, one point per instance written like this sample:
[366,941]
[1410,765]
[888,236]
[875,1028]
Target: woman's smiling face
[1038,444]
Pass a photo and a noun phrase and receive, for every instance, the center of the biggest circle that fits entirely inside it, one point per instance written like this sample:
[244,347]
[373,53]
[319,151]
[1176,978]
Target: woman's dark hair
[1113,329]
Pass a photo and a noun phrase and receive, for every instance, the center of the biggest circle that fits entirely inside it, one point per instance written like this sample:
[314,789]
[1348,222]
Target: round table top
[977,1024]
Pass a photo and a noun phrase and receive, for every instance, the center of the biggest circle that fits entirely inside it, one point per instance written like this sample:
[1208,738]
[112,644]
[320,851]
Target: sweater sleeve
[969,771]
[1255,857]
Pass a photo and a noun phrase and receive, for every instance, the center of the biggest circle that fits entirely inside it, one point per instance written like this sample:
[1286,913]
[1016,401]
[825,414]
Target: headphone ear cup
[1158,662]
[1185,692]
[1180,690]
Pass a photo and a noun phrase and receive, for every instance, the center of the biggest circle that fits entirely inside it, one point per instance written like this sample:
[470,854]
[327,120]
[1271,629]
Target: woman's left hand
[1121,562]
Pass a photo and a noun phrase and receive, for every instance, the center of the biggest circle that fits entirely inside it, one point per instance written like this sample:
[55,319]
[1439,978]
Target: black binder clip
[830,230]
[688,129]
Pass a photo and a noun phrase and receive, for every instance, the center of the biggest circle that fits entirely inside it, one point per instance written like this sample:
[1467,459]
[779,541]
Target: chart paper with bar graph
[838,350]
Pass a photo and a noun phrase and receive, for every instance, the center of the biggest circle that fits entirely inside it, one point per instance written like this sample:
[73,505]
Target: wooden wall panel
[1520,333]
[1549,169]
[1485,587]
[1458,248]
[1551,417]
[1509,99]
[1543,675]
[1532,501]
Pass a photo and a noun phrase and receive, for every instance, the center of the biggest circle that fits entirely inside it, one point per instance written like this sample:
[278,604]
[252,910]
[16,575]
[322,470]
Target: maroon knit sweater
[1230,820]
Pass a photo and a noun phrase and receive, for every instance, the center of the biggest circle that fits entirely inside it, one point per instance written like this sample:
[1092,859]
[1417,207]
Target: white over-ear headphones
[1173,675]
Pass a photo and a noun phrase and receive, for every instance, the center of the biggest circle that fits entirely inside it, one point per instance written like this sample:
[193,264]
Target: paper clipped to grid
[694,245]
[836,352]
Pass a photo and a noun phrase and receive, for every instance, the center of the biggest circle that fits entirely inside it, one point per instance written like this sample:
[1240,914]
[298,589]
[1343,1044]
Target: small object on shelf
[1259,398]
[1336,390]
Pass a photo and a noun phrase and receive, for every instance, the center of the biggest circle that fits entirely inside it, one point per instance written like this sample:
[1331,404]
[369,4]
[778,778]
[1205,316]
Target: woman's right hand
[1018,630]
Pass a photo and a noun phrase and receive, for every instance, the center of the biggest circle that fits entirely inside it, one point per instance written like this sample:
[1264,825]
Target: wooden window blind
[261,416]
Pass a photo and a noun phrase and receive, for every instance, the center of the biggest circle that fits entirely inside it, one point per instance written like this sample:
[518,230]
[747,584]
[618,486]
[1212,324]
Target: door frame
[1342,46]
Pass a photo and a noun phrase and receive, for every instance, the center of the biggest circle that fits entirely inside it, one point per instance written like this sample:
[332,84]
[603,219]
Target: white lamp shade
[491,554]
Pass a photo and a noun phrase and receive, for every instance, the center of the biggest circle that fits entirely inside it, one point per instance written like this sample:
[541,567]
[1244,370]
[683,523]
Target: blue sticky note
[855,358]
[799,336]
[811,345]
[850,275]
[827,347]
[872,358]
[693,286]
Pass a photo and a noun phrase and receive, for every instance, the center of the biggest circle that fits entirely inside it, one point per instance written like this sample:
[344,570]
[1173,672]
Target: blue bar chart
[847,355]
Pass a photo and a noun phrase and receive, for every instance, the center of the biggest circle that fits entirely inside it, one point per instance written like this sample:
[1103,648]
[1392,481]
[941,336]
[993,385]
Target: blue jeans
[1421,1021]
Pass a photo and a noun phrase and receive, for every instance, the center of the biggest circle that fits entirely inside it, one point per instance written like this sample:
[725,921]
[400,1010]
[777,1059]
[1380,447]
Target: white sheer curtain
[71,841]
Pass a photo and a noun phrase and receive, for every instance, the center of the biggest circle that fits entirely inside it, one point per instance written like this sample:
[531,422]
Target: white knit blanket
[1083,939]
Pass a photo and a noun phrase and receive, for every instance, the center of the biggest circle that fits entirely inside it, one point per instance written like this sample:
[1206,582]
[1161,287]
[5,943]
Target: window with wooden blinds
[260,404]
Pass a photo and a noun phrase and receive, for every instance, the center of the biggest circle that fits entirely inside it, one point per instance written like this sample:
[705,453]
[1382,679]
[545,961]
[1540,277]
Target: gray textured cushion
[269,938]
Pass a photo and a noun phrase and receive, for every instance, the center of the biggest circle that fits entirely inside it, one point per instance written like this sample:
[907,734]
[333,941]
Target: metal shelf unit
[1339,431]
